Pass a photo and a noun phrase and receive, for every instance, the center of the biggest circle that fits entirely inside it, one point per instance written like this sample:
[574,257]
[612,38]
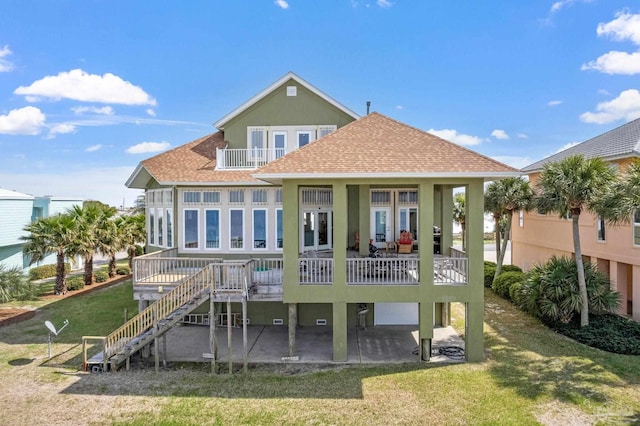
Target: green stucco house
[268,222]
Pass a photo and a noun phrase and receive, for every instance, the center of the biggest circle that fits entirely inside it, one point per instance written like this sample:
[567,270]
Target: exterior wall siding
[14,215]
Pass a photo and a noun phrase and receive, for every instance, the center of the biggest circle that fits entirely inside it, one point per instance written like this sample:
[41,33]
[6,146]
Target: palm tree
[133,232]
[89,219]
[516,194]
[624,200]
[109,239]
[460,215]
[568,187]
[493,204]
[51,235]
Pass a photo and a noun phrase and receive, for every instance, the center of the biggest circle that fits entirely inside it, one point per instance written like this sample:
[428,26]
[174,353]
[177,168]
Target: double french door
[317,228]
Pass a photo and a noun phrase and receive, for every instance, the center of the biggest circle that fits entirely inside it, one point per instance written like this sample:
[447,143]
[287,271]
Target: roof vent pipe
[368,105]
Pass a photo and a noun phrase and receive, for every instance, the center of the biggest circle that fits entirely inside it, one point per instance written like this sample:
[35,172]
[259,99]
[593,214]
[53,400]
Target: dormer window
[292,90]
[304,137]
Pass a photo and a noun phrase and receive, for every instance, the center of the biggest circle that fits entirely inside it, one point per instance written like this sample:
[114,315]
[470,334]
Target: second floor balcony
[239,159]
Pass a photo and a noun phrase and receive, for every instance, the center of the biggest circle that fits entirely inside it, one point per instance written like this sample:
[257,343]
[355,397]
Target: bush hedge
[502,284]
[123,270]
[489,272]
[609,332]
[510,268]
[75,283]
[46,271]
[100,276]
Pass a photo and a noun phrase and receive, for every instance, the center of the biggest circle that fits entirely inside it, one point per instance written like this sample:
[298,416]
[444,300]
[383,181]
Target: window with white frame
[212,229]
[152,227]
[407,197]
[169,228]
[521,218]
[259,196]
[380,197]
[601,229]
[636,228]
[256,141]
[150,197]
[279,229]
[317,196]
[304,137]
[236,228]
[259,228]
[191,229]
[211,197]
[325,130]
[160,216]
[236,196]
[278,196]
[191,197]
[168,196]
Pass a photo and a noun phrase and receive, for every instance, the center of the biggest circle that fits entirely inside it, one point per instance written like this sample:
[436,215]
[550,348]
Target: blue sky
[88,89]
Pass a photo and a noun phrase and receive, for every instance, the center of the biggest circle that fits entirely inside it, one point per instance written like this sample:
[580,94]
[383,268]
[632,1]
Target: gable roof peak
[276,84]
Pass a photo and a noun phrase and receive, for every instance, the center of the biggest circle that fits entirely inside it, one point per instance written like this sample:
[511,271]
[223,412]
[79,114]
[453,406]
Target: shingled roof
[621,142]
[191,163]
[376,145]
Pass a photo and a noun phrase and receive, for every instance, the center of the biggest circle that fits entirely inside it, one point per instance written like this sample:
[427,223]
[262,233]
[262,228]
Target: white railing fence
[245,158]
[385,271]
[315,270]
[450,270]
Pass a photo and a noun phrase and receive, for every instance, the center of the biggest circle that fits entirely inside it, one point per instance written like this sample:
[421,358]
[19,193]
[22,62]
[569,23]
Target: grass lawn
[531,376]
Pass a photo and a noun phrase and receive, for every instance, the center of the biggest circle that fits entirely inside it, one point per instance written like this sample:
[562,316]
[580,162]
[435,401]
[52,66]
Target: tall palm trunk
[496,218]
[503,249]
[582,284]
[112,265]
[88,270]
[61,286]
[131,252]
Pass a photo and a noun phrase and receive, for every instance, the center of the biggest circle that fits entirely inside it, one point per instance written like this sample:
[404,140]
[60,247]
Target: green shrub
[489,272]
[14,285]
[510,268]
[100,276]
[490,263]
[139,250]
[502,284]
[75,283]
[551,291]
[608,332]
[123,270]
[46,271]
[515,288]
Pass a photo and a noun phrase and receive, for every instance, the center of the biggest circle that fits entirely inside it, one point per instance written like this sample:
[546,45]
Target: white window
[212,229]
[278,228]
[256,141]
[211,197]
[191,229]
[380,197]
[325,130]
[259,196]
[160,215]
[407,197]
[236,196]
[304,137]
[168,196]
[236,228]
[191,197]
[152,227]
[169,229]
[151,197]
[521,218]
[259,229]
[636,228]
[292,90]
[601,229]
[279,144]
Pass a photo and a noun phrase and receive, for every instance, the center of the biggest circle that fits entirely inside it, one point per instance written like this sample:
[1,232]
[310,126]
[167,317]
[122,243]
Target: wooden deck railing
[164,269]
[315,270]
[450,270]
[228,277]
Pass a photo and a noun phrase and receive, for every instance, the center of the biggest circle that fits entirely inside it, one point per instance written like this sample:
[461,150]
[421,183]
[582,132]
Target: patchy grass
[531,376]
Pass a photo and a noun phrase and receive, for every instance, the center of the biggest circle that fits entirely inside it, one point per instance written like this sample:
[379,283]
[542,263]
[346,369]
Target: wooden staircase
[214,280]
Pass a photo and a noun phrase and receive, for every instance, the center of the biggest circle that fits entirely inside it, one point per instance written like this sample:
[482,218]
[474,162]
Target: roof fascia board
[196,183]
[634,154]
[431,175]
[290,75]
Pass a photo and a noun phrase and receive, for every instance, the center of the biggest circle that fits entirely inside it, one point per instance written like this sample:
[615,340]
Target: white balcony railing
[234,159]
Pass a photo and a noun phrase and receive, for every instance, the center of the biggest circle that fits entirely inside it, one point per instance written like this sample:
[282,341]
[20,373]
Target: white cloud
[625,107]
[561,4]
[148,147]
[566,146]
[105,110]
[624,27]
[103,184]
[22,121]
[81,86]
[384,3]
[499,134]
[62,128]
[399,107]
[523,136]
[282,4]
[455,137]
[93,148]
[554,103]
[5,65]
[513,161]
[151,112]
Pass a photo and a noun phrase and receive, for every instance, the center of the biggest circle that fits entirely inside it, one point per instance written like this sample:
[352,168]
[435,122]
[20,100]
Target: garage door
[396,314]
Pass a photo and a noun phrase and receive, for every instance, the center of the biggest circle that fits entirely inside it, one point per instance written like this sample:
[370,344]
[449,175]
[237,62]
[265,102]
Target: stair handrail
[168,303]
